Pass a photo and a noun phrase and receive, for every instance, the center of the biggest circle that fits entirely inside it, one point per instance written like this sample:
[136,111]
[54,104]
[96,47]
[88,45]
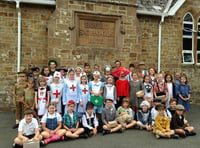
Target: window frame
[190,37]
[198,38]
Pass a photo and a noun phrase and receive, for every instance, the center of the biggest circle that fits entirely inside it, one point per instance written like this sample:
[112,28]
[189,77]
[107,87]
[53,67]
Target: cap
[141,63]
[107,68]
[145,103]
[96,73]
[57,74]
[179,107]
[108,99]
[35,69]
[21,73]
[70,102]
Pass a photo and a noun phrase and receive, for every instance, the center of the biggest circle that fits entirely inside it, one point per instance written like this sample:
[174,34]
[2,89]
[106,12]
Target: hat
[57,74]
[89,105]
[70,102]
[28,111]
[96,73]
[145,103]
[160,107]
[157,100]
[107,68]
[61,68]
[52,60]
[141,63]
[179,107]
[21,73]
[35,69]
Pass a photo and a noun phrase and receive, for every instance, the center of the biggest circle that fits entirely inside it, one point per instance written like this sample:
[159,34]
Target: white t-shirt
[28,129]
[51,116]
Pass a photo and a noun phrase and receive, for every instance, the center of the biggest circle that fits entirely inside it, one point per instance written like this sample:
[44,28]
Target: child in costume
[19,91]
[89,120]
[107,73]
[36,73]
[110,90]
[172,108]
[87,70]
[42,96]
[84,94]
[71,122]
[132,69]
[161,126]
[148,90]
[52,64]
[135,86]
[144,116]
[152,75]
[51,125]
[125,114]
[78,74]
[46,73]
[71,90]
[56,91]
[180,125]
[184,92]
[109,117]
[122,88]
[96,90]
[28,129]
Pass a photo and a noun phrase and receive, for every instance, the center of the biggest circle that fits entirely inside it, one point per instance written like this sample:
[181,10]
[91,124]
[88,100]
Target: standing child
[125,114]
[56,91]
[19,91]
[144,116]
[42,96]
[87,70]
[152,75]
[160,89]
[135,86]
[28,129]
[171,89]
[162,124]
[107,73]
[51,125]
[122,87]
[36,73]
[110,90]
[184,92]
[179,124]
[78,74]
[96,90]
[71,122]
[89,120]
[148,90]
[71,89]
[46,73]
[84,94]
[109,117]
[132,69]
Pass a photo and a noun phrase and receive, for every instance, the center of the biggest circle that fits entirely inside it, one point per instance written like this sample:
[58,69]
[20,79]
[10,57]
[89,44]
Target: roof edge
[42,2]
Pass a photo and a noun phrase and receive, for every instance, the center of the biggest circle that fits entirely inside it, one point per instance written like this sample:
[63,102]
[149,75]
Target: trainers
[15,126]
[104,132]
[157,136]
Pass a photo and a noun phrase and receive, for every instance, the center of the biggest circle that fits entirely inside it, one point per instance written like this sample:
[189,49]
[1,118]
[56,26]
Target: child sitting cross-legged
[109,118]
[71,122]
[179,124]
[125,114]
[144,116]
[89,120]
[162,124]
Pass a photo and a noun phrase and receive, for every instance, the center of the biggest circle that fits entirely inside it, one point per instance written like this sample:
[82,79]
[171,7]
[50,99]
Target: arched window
[198,41]
[188,36]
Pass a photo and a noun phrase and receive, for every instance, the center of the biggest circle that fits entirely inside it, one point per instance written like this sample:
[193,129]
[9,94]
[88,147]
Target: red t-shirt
[122,87]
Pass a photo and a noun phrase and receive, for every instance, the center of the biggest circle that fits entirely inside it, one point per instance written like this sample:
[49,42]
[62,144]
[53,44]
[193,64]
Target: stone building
[162,33]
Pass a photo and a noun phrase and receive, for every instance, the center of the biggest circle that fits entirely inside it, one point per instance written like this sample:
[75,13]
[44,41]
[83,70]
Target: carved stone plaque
[96,31]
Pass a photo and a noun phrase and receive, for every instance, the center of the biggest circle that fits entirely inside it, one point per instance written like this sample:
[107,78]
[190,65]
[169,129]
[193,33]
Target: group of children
[75,103]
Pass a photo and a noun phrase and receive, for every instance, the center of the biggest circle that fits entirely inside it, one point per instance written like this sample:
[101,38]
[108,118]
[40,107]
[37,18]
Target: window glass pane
[187,44]
[188,18]
[198,44]
[187,29]
[198,57]
[187,57]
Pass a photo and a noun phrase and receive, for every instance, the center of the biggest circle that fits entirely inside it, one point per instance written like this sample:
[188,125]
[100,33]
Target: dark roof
[157,6]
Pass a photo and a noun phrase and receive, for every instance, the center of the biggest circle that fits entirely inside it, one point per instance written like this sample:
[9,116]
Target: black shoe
[85,136]
[175,136]
[182,135]
[66,138]
[42,143]
[15,126]
[105,132]
[191,134]
[16,146]
[121,130]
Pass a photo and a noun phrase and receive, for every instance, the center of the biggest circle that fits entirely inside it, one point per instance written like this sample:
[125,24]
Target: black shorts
[29,136]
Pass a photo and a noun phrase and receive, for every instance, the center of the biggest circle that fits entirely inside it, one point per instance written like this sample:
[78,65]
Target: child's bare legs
[148,127]
[75,134]
[189,128]
[118,127]
[165,134]
[21,141]
[133,123]
[180,131]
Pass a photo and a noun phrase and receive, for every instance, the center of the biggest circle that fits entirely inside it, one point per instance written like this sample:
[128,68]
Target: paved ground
[128,139]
